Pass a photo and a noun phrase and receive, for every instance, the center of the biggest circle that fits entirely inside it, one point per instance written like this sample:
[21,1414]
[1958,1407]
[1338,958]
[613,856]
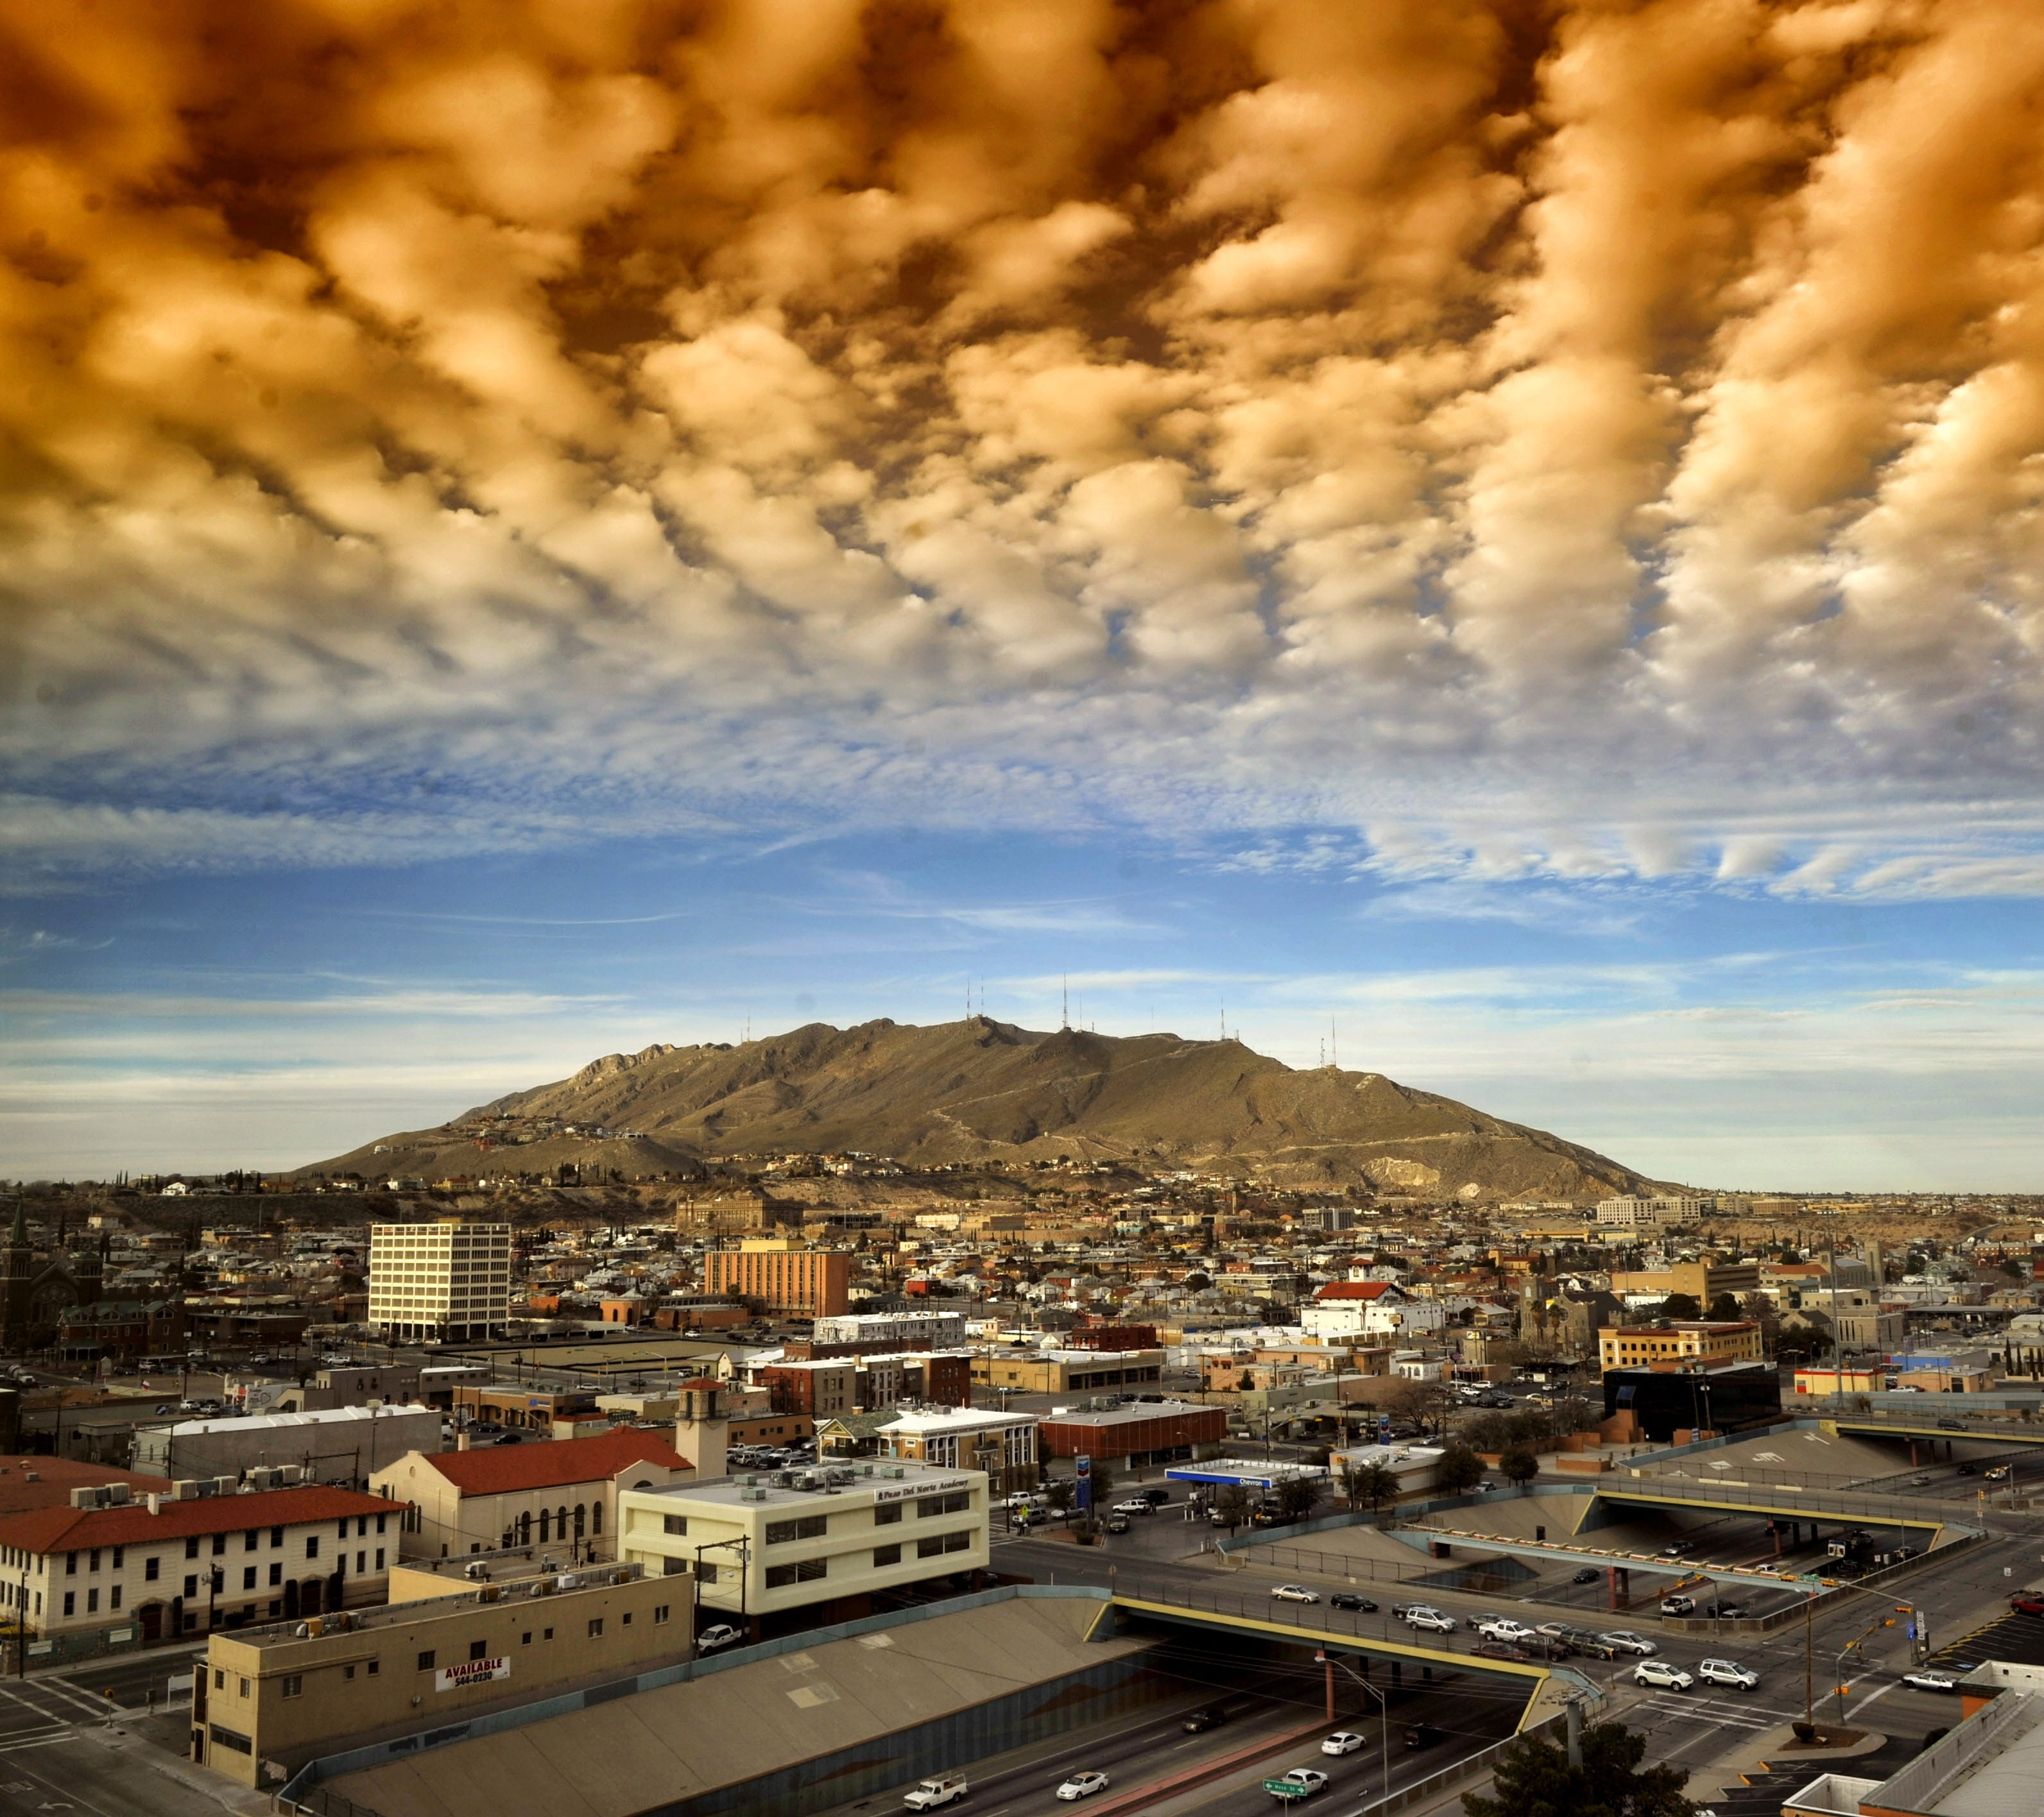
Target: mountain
[978,1090]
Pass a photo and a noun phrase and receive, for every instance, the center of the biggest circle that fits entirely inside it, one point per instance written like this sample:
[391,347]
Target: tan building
[785,1274]
[760,1547]
[561,1492]
[1067,1372]
[1703,1281]
[1708,1341]
[733,1214]
[273,1694]
[437,1283]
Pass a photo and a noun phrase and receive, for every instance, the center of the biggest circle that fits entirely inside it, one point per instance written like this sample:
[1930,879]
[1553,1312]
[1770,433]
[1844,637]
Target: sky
[1504,536]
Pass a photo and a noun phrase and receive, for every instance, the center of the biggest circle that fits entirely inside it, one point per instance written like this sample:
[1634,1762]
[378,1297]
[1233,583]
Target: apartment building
[879,1331]
[784,1274]
[1067,1372]
[442,1282]
[1651,1213]
[759,1546]
[338,1444]
[180,1562]
[1680,1345]
[1002,1446]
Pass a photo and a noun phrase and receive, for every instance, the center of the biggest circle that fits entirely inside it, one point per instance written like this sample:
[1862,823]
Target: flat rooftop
[782,1488]
[1126,1415]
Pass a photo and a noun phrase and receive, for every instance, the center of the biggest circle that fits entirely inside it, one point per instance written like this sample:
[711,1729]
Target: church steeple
[17,1237]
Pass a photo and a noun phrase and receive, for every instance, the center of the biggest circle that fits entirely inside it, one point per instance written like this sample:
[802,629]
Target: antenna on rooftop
[1064,1015]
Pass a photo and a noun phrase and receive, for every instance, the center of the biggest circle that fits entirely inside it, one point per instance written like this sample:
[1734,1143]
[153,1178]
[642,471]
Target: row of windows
[808,1527]
[480,1649]
[251,1542]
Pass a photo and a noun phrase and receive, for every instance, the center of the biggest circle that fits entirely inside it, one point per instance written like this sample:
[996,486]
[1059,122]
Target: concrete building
[276,1693]
[825,1387]
[1651,1213]
[1369,1308]
[879,1331]
[768,1545]
[1135,1433]
[1710,1341]
[1001,1445]
[498,1497]
[180,1562]
[1067,1372]
[438,1283]
[343,1445]
[1703,1281]
[784,1274]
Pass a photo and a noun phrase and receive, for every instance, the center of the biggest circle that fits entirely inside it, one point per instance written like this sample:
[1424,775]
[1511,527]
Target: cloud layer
[1528,435]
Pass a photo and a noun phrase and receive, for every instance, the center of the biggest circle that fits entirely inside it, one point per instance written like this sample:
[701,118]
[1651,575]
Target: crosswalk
[1717,1712]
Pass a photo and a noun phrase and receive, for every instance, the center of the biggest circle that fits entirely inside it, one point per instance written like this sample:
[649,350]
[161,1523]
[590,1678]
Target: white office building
[438,1282]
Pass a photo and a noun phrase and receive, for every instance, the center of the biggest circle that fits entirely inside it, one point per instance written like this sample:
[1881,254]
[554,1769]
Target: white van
[939,1789]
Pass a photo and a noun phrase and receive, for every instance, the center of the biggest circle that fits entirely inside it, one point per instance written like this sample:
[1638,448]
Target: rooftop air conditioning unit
[226,1485]
[567,1581]
[81,1498]
[119,1494]
[751,1495]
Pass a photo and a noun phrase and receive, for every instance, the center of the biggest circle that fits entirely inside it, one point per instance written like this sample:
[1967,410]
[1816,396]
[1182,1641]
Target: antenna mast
[1065,1014]
[1333,1042]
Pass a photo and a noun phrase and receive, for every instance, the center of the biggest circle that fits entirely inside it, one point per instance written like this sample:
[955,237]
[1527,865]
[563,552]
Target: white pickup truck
[939,1789]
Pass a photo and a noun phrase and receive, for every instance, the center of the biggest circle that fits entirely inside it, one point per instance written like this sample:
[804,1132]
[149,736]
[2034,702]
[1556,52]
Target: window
[705,1571]
[70,1602]
[674,1523]
[809,1526]
[779,1577]
[957,1502]
[250,1539]
[886,1555]
[888,1515]
[220,1545]
[248,1578]
[92,1601]
[361,1563]
[525,1639]
[548,1635]
[426,1660]
[276,1536]
[150,1567]
[219,1681]
[375,1666]
[362,1526]
[379,1558]
[660,1613]
[94,1565]
[312,1545]
[245,1688]
[627,1621]
[380,1519]
[940,1543]
[478,1649]
[191,1589]
[294,1682]
[347,1671]
[191,1546]
[276,1574]
[120,1556]
[114,1597]
[71,1563]
[595,1626]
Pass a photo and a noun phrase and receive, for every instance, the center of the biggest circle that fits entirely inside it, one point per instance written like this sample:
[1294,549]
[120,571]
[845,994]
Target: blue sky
[267,1018]
[1524,542]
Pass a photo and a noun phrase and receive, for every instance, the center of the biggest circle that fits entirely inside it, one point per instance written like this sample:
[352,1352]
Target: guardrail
[1891,1512]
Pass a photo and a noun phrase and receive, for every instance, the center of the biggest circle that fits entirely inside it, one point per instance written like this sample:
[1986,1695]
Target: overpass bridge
[1930,1427]
[1773,1502]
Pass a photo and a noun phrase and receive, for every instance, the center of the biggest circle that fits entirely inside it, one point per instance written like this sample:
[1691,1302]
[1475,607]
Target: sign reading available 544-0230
[470,1672]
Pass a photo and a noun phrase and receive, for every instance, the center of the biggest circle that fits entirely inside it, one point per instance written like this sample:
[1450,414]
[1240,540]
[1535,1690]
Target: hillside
[979,1089]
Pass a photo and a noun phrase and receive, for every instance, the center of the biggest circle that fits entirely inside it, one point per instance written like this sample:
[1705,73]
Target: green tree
[1060,1494]
[1232,1505]
[1103,1485]
[1459,1469]
[1726,1306]
[1519,1464]
[1681,1306]
[1534,1779]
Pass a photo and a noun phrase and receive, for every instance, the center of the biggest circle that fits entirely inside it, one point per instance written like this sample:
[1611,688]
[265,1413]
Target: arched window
[561,1521]
[596,1517]
[525,1529]
[579,1520]
[543,1526]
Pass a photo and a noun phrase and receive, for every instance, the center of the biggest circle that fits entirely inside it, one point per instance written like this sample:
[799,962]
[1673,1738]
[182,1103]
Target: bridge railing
[1890,1511]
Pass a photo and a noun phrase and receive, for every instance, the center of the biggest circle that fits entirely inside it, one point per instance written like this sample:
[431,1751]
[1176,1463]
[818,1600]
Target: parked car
[1731,1611]
[1082,1785]
[939,1788]
[1293,1593]
[719,1633]
[2027,1603]
[1343,1741]
[1423,1735]
[1661,1673]
[1308,1780]
[1931,1681]
[1117,1523]
[1200,1721]
[1156,1497]
[1624,1640]
[1349,1600]
[1729,1672]
[1589,1574]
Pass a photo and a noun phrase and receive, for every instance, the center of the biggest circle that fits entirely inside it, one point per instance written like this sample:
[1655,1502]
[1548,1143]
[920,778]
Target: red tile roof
[545,1464]
[1353,1290]
[56,1478]
[69,1529]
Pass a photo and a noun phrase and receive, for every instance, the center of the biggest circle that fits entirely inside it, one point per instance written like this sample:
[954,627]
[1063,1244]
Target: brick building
[1135,1434]
[784,1274]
